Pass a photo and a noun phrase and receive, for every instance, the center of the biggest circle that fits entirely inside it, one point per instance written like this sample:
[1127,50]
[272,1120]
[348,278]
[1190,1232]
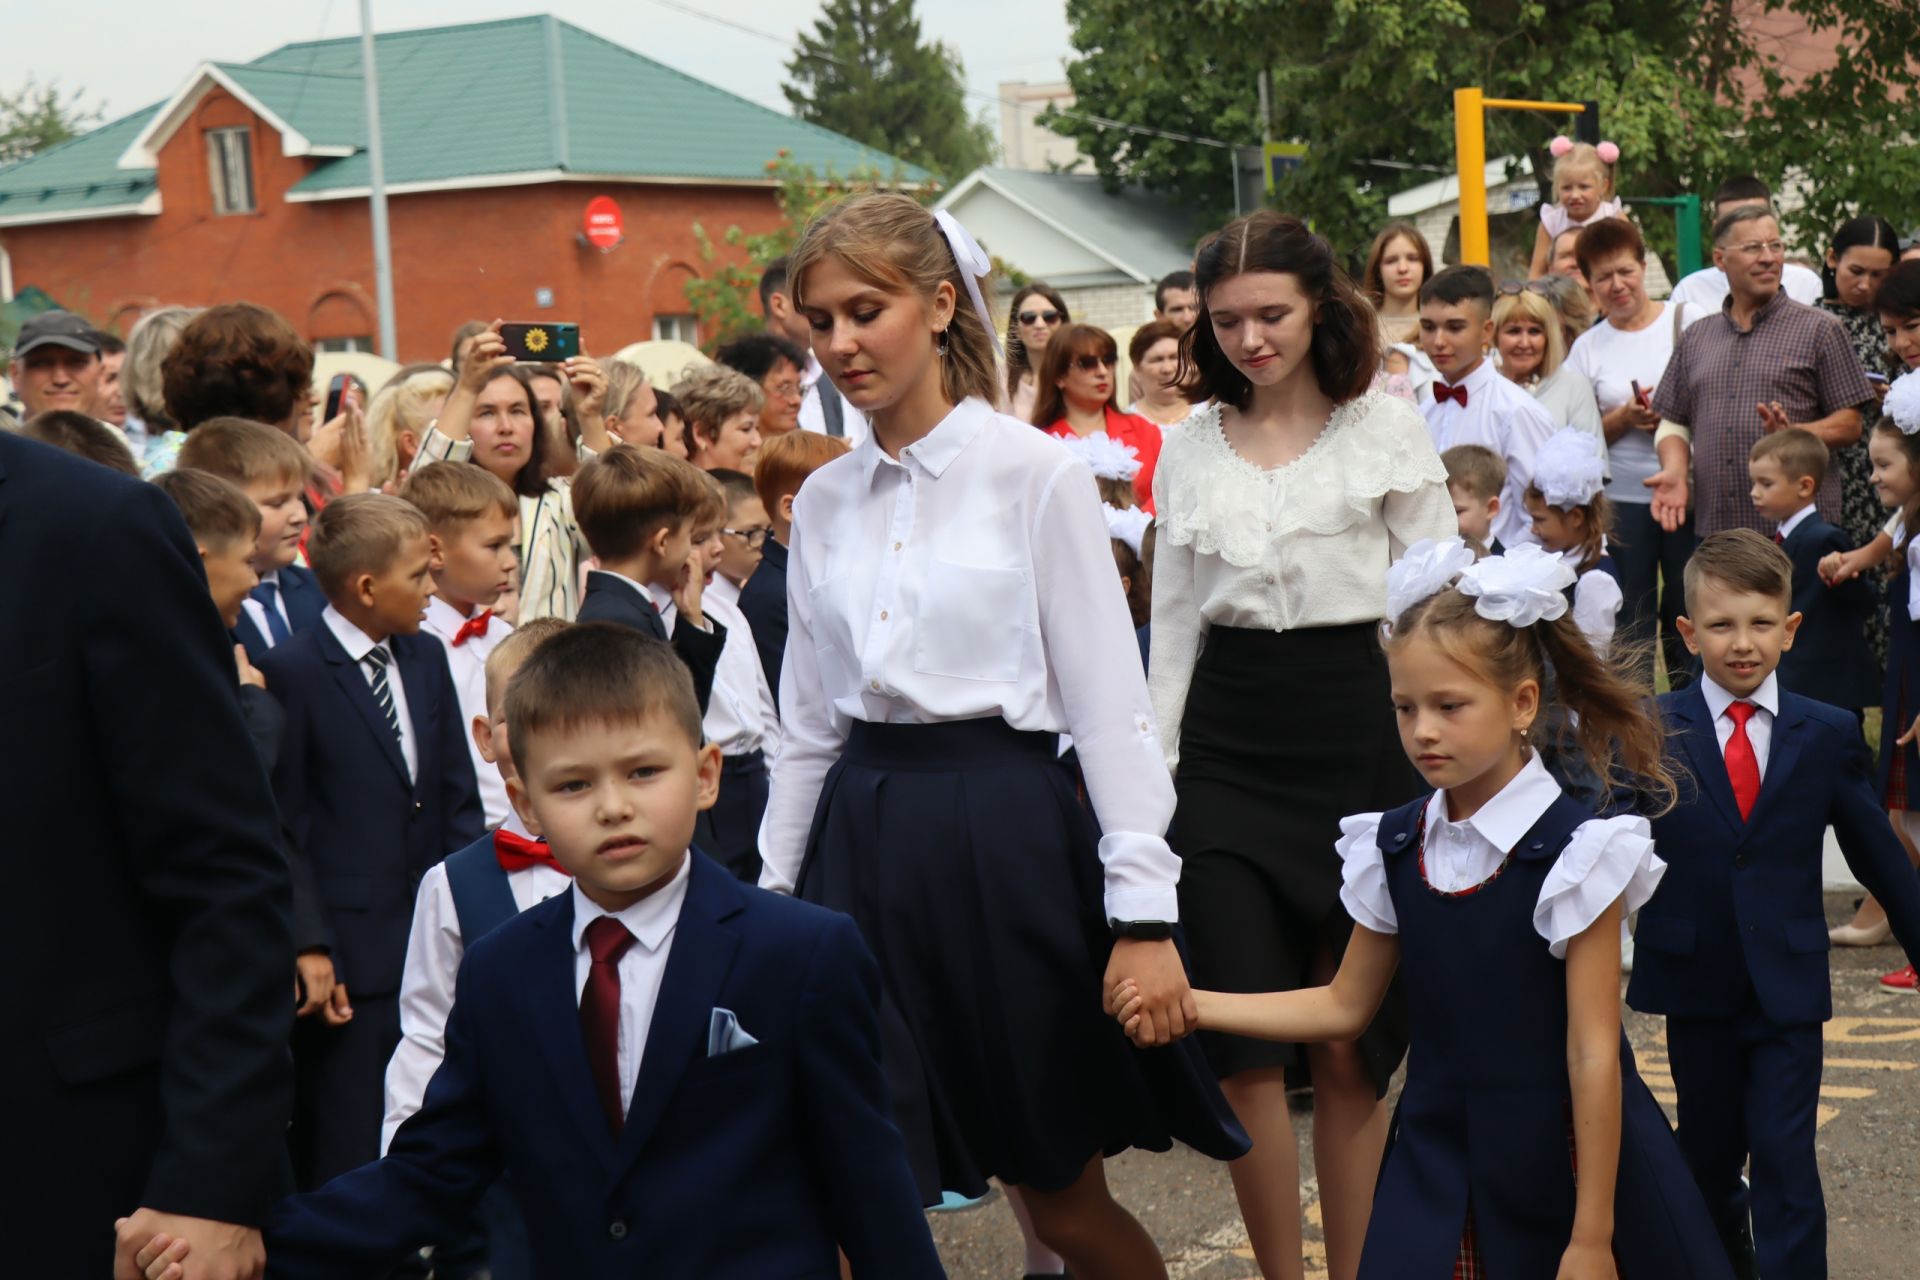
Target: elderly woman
[147,347]
[1531,337]
[1154,350]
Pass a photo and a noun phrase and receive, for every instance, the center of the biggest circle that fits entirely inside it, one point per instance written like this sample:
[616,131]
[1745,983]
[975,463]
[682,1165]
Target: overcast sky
[125,54]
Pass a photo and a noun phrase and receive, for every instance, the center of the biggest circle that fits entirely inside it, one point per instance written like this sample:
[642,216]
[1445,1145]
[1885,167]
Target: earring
[942,335]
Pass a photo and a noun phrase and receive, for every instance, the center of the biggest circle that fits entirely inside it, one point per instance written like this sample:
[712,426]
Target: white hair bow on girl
[1903,403]
[1570,469]
[1128,524]
[974,265]
[1526,585]
[1427,569]
[1109,459]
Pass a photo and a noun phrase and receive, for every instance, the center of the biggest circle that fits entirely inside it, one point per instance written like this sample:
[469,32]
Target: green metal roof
[557,99]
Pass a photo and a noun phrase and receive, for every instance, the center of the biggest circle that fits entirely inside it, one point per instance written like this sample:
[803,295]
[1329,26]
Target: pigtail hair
[1618,733]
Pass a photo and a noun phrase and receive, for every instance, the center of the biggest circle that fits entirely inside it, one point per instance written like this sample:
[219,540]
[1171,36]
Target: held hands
[1147,991]
[1587,1262]
[156,1245]
[1837,567]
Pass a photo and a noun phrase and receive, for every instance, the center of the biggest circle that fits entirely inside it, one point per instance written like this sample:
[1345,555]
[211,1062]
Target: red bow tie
[1778,537]
[517,852]
[477,624]
[1442,391]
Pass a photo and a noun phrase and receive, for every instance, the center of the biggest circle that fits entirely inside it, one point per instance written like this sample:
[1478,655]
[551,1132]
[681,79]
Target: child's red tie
[1743,767]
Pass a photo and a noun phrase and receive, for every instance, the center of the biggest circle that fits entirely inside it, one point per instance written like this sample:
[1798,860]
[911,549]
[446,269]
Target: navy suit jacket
[609,598]
[1830,661]
[266,725]
[752,1164]
[145,1058]
[1741,901]
[368,832]
[300,592]
[763,601]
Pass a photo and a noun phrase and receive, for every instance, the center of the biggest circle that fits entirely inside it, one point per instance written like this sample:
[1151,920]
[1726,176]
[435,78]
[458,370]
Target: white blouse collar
[1512,813]
[935,451]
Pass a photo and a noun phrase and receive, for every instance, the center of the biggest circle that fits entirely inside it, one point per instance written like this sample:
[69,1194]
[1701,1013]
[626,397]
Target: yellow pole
[1470,139]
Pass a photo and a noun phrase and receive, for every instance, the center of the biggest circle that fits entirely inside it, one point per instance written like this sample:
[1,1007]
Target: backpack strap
[482,899]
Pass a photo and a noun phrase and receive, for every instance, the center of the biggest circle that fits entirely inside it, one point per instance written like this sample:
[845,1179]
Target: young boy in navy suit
[679,1072]
[1733,946]
[637,509]
[375,784]
[271,468]
[1830,660]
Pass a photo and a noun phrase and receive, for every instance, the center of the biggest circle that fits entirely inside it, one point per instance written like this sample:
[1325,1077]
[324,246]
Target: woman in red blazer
[1077,382]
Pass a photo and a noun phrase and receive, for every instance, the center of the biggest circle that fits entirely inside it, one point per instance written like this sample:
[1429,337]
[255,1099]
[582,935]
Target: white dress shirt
[1797,519]
[1503,417]
[1278,548]
[434,951]
[1596,601]
[358,645]
[468,663]
[1607,859]
[1766,701]
[741,718]
[258,612]
[642,965]
[972,577]
[813,416]
[1707,288]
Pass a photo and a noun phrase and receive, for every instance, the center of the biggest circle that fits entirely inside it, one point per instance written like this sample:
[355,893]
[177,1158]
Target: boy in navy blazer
[1733,946]
[271,468]
[1830,660]
[679,1072]
[375,785]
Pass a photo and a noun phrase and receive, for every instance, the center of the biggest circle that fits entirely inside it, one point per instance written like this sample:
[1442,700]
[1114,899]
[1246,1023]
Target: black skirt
[1285,733]
[974,875]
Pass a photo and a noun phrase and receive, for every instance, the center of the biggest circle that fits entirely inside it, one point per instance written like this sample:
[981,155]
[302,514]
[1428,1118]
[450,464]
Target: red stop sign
[602,224]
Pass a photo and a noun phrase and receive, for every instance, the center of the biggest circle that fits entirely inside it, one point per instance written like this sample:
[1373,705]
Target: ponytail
[1616,734]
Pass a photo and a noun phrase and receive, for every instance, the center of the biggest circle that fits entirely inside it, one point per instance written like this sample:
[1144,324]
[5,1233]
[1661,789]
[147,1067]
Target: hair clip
[974,265]
[1569,469]
[1560,145]
[1609,152]
[1426,569]
[1903,403]
[1524,586]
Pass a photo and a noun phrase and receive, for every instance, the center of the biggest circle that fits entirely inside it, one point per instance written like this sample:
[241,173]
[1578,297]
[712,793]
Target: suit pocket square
[726,1035]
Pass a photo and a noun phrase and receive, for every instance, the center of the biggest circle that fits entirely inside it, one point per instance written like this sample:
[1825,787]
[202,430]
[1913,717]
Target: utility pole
[376,165]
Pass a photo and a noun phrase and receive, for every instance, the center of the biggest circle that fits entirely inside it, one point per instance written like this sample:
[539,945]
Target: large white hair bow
[1903,402]
[1109,459]
[975,266]
[1128,524]
[1569,469]
[1522,587]
[1425,570]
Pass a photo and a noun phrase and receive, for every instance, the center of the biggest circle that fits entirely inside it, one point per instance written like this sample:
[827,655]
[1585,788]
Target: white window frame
[336,345]
[226,150]
[677,328]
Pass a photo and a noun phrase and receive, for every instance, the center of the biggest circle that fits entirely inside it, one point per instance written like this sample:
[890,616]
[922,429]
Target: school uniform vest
[1900,698]
[482,898]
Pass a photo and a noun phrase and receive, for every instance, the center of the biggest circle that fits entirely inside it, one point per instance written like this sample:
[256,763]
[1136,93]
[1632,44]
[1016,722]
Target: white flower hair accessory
[1427,568]
[1526,585]
[1127,524]
[1569,469]
[1903,403]
[1109,459]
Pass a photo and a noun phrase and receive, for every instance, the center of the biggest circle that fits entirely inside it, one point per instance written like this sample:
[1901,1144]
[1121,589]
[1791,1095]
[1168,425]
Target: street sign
[602,225]
[1282,158]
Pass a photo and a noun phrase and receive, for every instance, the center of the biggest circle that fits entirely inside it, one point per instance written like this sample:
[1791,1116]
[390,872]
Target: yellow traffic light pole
[1470,139]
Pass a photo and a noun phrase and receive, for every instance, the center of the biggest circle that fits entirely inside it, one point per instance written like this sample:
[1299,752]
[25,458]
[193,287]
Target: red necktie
[474,626]
[1743,767]
[606,938]
[1442,391]
[517,853]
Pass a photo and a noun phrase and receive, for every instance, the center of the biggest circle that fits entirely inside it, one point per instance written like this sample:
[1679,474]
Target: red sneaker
[1902,980]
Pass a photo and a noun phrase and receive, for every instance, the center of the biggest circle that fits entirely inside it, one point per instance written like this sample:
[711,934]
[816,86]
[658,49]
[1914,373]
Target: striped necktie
[377,659]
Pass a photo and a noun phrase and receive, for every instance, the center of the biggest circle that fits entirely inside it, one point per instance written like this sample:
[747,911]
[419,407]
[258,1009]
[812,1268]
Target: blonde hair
[512,653]
[454,494]
[402,406]
[624,495]
[245,452]
[712,393]
[360,533]
[1578,158]
[892,243]
[147,347]
[624,380]
[1476,470]
[1534,307]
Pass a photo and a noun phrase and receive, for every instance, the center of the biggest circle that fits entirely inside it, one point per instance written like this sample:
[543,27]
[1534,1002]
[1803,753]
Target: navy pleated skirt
[974,874]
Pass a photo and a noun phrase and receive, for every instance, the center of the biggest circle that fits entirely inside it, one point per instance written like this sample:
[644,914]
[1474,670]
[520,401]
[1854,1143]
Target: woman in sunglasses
[1037,314]
[1077,383]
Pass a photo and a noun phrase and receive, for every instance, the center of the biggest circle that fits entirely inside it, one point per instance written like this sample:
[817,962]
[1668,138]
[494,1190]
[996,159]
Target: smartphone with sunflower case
[543,342]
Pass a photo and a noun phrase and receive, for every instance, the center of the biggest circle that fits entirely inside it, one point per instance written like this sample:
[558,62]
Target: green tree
[39,116]
[864,71]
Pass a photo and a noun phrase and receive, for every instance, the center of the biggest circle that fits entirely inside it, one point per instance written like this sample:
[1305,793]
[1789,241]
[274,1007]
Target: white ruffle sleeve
[1607,859]
[1363,874]
[1596,606]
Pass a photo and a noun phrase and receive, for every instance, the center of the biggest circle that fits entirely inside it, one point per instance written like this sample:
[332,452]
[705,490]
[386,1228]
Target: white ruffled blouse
[1274,548]
[1608,859]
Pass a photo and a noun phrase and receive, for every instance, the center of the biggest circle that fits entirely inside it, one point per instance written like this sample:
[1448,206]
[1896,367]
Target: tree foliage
[1368,85]
[864,71]
[39,116]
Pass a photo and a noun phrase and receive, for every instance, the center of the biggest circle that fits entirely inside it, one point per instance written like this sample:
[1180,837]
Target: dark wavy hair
[1345,350]
[530,481]
[236,360]
[1899,294]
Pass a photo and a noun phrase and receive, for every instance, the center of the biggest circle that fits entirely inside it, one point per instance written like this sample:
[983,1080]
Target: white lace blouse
[1301,545]
[1607,859]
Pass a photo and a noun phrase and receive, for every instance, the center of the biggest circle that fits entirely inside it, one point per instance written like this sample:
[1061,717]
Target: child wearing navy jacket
[375,785]
[1733,947]
[1501,899]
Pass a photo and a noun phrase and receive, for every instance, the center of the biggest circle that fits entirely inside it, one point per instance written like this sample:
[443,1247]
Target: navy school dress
[964,854]
[1484,1122]
[1900,766]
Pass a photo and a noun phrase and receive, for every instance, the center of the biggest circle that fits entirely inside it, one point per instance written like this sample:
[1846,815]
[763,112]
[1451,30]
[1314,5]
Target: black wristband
[1141,930]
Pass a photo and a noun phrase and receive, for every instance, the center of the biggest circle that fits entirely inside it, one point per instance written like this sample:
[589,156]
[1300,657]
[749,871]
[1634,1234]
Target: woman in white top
[1281,505]
[1623,357]
[953,608]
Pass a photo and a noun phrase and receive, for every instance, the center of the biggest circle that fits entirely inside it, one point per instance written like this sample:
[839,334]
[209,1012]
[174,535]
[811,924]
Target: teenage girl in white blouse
[1285,501]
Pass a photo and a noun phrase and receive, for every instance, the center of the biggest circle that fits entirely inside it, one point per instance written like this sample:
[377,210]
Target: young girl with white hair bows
[1504,898]
[1567,502]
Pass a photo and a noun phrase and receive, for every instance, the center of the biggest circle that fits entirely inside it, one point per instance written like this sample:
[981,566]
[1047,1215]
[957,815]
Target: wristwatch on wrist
[1141,930]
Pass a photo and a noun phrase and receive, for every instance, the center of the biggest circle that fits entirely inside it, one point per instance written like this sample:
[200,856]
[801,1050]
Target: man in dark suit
[146,1061]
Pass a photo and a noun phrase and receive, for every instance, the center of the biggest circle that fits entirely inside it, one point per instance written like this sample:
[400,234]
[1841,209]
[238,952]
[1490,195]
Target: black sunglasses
[1087,364]
[1031,317]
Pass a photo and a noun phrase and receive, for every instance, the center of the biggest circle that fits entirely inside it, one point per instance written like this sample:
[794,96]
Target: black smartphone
[336,392]
[542,342]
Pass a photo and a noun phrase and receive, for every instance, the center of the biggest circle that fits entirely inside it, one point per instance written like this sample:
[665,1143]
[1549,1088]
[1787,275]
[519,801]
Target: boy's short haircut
[712,512]
[218,512]
[736,485]
[1460,284]
[1798,451]
[1168,282]
[360,533]
[597,673]
[245,452]
[454,494]
[511,654]
[82,436]
[1476,470]
[628,493]
[1741,560]
[711,394]
[786,461]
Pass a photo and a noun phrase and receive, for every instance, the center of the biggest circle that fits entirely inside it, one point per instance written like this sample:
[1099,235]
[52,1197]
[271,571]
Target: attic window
[230,166]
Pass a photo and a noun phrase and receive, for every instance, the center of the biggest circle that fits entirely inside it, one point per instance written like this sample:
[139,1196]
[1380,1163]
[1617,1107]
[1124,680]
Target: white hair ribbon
[975,266]
[1128,524]
[1569,469]
[1903,403]
[1109,459]
[1526,585]
[1425,570]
